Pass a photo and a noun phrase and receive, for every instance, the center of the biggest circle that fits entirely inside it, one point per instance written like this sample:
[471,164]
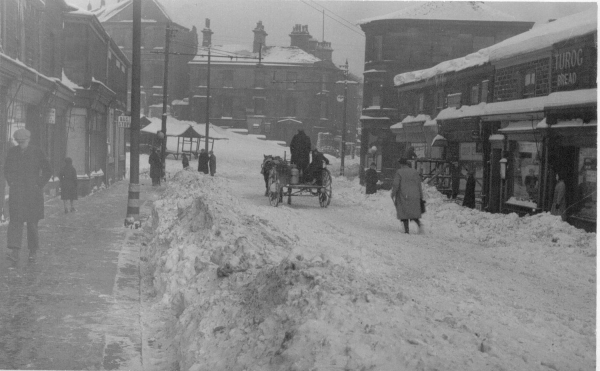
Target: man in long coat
[155,167]
[407,194]
[203,161]
[300,150]
[27,170]
[212,162]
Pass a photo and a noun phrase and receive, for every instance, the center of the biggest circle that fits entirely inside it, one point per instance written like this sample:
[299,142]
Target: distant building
[117,20]
[413,39]
[270,90]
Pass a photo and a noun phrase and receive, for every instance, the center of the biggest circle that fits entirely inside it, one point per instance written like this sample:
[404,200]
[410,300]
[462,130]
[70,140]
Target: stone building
[117,18]
[269,90]
[412,39]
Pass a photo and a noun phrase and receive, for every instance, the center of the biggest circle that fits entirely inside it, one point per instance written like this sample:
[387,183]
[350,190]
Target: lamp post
[343,149]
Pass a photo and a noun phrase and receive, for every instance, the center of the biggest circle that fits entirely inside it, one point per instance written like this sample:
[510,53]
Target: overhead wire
[340,17]
[335,20]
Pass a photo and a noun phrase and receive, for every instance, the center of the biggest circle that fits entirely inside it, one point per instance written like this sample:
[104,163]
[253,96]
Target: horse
[272,167]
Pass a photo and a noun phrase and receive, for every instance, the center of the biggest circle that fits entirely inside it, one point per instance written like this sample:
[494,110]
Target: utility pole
[207,101]
[168,34]
[133,202]
[344,122]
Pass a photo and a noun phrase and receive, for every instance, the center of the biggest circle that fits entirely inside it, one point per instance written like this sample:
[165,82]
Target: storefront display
[586,188]
[526,171]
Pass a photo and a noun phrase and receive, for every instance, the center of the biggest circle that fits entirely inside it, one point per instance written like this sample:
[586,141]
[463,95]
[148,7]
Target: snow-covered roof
[447,10]
[535,39]
[105,13]
[530,105]
[224,54]
[575,123]
[412,119]
[176,128]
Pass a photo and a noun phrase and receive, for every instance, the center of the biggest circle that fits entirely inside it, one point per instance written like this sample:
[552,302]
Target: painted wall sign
[572,66]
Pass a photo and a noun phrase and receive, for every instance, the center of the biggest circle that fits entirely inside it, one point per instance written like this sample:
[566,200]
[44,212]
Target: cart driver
[316,167]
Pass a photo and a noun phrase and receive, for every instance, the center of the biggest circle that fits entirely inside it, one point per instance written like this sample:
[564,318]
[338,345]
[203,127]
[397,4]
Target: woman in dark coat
[68,184]
[469,200]
[203,161]
[407,194]
[27,170]
[371,179]
[184,161]
[155,167]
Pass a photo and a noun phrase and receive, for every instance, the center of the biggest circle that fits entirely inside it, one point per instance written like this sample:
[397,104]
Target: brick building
[412,39]
[270,90]
[117,18]
[538,117]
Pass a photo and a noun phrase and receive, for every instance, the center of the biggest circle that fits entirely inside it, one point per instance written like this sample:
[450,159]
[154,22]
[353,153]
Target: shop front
[380,146]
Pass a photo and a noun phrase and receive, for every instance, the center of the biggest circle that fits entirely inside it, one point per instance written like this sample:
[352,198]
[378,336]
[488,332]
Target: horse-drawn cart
[278,177]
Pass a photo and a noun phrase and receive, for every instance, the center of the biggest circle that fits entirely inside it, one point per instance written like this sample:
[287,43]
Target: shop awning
[519,127]
[583,97]
[515,109]
[439,141]
[564,124]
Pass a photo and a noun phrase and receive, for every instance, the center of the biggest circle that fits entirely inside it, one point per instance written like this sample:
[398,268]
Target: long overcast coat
[406,188]
[26,172]
[300,150]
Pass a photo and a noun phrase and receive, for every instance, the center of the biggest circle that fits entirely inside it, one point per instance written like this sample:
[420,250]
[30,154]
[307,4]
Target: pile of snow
[253,287]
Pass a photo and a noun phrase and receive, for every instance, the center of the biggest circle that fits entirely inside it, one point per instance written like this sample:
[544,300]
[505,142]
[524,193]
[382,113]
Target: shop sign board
[124,121]
[572,66]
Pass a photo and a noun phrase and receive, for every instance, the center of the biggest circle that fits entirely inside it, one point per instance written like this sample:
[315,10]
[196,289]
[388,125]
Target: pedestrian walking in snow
[27,170]
[469,200]
[184,161]
[300,151]
[559,202]
[68,184]
[212,162]
[203,161]
[155,167]
[371,179]
[407,194]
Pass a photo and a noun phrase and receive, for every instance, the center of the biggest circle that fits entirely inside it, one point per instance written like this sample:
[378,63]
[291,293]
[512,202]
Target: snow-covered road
[342,288]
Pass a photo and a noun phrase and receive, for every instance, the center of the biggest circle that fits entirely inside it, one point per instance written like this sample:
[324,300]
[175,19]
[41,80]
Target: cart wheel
[273,190]
[326,193]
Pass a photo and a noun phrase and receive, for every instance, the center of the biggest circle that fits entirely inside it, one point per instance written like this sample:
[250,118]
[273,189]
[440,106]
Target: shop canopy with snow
[189,135]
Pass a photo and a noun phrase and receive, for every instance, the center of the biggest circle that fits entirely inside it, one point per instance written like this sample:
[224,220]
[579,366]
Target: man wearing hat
[27,170]
[407,195]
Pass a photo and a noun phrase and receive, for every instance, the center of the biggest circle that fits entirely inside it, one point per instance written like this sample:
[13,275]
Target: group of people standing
[310,169]
[207,164]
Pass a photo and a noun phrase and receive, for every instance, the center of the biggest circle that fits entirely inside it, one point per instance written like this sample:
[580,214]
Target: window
[202,75]
[227,78]
[484,90]
[529,84]
[290,107]
[375,100]
[259,79]
[259,105]
[226,106]
[454,100]
[420,102]
[291,78]
[475,94]
[439,100]
[378,48]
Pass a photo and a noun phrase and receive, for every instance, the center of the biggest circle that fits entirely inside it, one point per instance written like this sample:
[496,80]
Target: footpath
[77,304]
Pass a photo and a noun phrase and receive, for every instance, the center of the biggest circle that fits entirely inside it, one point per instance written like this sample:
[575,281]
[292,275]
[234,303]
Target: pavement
[77,305]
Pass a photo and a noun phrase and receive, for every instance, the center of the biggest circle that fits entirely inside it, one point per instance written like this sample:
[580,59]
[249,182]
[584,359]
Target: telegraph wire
[344,19]
[335,20]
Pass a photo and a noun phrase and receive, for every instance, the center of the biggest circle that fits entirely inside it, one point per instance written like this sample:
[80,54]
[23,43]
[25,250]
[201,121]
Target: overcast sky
[232,21]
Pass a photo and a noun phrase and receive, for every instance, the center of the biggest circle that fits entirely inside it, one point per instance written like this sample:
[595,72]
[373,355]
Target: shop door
[566,163]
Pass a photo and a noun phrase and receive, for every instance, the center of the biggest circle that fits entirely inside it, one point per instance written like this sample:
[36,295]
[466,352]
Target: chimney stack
[260,37]
[206,33]
[300,37]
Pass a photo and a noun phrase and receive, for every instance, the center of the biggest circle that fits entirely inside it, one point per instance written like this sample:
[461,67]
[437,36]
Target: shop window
[585,206]
[454,100]
[475,95]
[525,171]
[484,90]
[529,84]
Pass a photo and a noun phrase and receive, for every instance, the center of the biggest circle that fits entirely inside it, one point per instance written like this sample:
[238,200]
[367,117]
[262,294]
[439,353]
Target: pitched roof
[106,13]
[270,54]
[447,10]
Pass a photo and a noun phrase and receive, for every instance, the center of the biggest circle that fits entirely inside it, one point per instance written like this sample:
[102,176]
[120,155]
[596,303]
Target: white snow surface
[271,54]
[538,38]
[341,288]
[447,10]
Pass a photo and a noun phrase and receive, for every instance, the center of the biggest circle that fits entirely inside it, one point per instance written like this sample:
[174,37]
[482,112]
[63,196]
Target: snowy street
[311,288]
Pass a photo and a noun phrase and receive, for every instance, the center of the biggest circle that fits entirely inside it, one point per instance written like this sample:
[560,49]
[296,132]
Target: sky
[232,21]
